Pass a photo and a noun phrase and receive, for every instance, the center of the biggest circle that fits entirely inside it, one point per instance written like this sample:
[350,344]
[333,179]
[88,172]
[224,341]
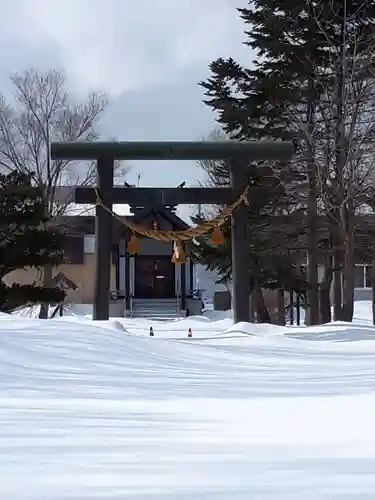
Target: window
[362,277]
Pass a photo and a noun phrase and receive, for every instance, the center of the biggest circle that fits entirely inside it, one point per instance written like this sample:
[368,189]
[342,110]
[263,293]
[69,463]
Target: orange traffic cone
[151,332]
[190,333]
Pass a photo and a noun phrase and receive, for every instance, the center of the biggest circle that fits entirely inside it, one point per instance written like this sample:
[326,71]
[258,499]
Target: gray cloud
[121,45]
[148,55]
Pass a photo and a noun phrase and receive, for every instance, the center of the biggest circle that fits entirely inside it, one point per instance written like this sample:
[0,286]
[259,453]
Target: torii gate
[239,155]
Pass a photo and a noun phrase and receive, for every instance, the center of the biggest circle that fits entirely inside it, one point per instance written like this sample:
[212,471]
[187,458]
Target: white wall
[89,244]
[359,293]
[205,280]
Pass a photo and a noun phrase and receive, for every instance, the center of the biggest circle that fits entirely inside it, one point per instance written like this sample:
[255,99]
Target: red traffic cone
[151,332]
[190,333]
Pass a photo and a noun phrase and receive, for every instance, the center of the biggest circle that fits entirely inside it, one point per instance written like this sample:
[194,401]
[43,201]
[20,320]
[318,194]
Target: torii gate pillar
[103,239]
[239,235]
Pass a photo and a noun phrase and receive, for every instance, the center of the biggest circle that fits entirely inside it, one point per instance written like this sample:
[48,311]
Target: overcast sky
[147,55]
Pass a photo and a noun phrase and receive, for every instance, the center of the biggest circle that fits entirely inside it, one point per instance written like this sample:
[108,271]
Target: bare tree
[42,111]
[337,128]
[344,137]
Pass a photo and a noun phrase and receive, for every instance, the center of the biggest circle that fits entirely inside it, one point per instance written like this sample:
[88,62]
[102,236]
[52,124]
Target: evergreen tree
[26,240]
[306,51]
[264,102]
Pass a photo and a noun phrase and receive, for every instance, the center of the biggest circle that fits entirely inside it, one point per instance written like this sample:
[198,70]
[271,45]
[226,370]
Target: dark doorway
[154,277]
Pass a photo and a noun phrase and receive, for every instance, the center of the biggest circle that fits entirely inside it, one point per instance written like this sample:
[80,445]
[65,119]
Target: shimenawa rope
[174,236]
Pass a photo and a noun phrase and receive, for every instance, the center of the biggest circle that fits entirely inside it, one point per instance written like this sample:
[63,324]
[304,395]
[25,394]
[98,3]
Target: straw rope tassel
[133,245]
[178,256]
[217,236]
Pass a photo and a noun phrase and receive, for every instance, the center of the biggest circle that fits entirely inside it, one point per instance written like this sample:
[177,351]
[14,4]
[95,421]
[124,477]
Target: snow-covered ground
[102,411]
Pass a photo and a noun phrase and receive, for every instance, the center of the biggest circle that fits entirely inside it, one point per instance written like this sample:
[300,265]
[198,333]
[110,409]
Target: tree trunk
[253,309]
[47,282]
[298,308]
[263,315]
[338,187]
[291,308]
[312,311]
[280,308]
[325,292]
[325,304]
[337,287]
[348,281]
[337,275]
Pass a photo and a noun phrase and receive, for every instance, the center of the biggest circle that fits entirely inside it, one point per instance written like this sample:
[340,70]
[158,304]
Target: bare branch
[43,112]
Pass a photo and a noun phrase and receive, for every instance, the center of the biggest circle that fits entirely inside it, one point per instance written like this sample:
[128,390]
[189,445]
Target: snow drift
[94,410]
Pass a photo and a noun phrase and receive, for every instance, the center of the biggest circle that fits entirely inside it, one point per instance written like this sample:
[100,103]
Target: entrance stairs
[156,309]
